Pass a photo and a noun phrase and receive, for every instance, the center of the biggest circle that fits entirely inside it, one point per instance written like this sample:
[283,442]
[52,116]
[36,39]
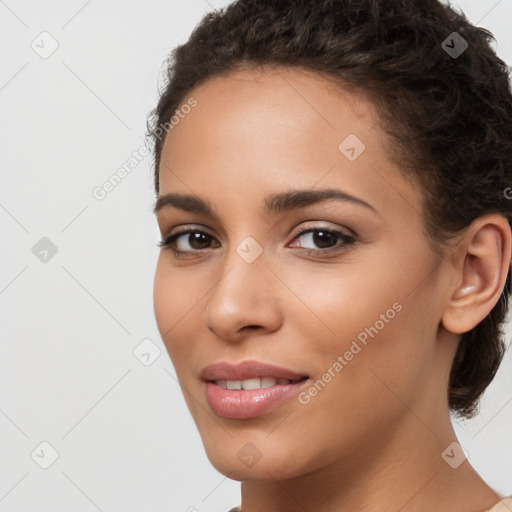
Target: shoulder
[505,505]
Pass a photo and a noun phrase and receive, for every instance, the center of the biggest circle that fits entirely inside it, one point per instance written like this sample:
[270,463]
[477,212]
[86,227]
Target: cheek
[163,299]
[367,315]
[379,341]
[175,298]
[341,301]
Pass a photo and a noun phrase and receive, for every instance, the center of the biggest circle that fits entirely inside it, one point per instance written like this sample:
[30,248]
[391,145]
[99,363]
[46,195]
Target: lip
[250,403]
[247,370]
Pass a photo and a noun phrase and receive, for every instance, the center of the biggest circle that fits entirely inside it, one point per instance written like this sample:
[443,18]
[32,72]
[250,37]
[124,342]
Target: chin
[245,463]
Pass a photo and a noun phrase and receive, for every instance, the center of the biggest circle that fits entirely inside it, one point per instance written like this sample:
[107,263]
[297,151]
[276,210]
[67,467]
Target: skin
[372,439]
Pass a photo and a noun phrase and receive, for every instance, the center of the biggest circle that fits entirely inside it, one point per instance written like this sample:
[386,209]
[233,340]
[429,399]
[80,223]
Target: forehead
[265,109]
[281,97]
[282,128]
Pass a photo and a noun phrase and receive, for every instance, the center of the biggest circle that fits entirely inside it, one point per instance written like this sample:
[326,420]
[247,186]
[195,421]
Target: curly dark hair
[449,116]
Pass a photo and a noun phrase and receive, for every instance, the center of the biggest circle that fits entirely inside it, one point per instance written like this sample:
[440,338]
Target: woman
[333,193]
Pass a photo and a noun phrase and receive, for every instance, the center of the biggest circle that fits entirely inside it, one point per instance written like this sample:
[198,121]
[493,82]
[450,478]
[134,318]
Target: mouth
[256,383]
[250,388]
[249,370]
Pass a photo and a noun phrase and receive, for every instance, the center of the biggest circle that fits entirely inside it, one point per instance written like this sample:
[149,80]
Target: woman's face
[303,249]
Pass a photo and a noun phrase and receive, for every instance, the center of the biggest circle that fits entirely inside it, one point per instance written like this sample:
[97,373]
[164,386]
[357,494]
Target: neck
[375,478]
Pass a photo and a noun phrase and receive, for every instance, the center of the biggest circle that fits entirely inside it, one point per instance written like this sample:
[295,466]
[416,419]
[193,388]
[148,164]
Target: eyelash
[347,241]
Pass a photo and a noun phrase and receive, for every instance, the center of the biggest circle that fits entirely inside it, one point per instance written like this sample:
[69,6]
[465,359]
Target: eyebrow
[274,203]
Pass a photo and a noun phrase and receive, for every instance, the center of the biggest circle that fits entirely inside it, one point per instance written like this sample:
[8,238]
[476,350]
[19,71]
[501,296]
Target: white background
[68,375]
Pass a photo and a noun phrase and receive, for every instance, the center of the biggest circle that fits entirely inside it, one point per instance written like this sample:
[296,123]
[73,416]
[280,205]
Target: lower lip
[249,403]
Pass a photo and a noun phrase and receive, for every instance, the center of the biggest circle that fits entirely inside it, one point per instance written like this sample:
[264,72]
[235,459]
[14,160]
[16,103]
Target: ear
[482,267]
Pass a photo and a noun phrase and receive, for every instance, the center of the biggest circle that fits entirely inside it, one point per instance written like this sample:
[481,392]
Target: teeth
[267,382]
[256,383]
[234,384]
[251,383]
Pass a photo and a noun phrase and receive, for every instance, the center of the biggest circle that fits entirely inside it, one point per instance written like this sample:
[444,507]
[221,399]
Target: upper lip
[246,370]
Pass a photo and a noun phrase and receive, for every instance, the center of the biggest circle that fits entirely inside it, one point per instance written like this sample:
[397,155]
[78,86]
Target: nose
[245,301]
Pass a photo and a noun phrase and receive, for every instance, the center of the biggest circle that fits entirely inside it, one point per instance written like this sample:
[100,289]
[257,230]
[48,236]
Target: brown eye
[187,241]
[195,240]
[318,239]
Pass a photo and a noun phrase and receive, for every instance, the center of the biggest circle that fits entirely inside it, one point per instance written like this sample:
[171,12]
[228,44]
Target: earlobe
[482,271]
